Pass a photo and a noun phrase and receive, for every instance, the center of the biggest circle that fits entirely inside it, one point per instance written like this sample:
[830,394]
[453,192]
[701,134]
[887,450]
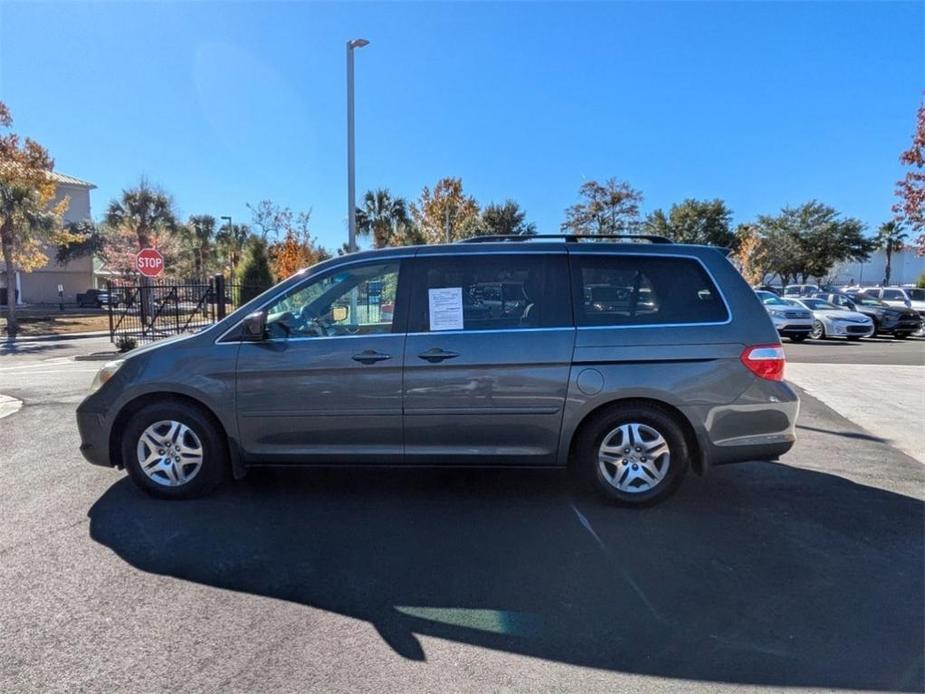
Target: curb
[98,356]
[53,336]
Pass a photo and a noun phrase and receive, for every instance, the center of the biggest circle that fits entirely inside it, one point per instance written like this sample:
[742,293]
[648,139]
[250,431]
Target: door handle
[370,356]
[436,354]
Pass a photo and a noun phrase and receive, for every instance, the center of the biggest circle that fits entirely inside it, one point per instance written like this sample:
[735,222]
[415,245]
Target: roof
[64,179]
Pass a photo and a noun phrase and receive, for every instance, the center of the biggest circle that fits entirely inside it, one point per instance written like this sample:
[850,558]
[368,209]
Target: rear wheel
[635,455]
[818,332]
[173,451]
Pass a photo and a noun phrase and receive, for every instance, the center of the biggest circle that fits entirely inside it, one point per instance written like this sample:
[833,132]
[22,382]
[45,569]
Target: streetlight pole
[351,154]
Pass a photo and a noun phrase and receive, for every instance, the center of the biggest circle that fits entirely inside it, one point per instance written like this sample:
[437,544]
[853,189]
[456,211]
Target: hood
[144,349]
[850,316]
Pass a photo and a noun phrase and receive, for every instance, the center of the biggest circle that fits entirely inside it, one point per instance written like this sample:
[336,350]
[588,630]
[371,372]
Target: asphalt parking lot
[804,573]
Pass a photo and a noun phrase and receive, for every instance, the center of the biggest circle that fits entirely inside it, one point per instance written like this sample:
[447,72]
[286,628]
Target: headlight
[777,313]
[108,371]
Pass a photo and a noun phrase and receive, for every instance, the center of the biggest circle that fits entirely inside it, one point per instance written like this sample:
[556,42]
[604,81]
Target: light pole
[351,155]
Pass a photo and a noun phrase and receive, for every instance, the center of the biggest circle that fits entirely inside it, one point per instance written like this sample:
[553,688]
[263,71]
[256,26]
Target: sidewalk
[886,400]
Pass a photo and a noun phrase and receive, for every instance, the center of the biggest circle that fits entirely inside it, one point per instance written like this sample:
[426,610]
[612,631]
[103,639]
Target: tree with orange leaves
[911,189]
[27,223]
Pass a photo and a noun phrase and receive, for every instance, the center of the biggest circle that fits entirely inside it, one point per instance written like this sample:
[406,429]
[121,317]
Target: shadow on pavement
[846,434]
[765,574]
[25,347]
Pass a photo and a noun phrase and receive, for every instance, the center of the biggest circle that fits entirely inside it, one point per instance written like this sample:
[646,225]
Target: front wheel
[173,451]
[635,455]
[818,332]
[799,337]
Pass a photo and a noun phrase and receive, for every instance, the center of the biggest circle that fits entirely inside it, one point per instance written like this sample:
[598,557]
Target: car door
[487,357]
[325,383]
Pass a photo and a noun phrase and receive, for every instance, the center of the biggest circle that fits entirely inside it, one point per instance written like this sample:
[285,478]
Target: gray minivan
[629,362]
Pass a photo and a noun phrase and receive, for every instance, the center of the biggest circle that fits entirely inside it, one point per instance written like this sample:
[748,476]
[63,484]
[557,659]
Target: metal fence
[145,309]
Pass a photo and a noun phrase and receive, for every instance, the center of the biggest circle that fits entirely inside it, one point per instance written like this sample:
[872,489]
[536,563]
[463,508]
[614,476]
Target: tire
[818,331]
[798,338]
[622,483]
[165,482]
[855,338]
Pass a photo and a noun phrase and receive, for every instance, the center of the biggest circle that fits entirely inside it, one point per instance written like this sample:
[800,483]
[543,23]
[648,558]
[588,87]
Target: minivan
[629,362]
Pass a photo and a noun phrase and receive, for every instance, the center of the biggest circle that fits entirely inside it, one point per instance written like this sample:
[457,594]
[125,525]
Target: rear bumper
[94,437]
[759,425]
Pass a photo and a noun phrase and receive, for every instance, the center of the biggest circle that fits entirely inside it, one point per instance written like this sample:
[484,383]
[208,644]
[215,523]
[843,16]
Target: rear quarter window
[643,290]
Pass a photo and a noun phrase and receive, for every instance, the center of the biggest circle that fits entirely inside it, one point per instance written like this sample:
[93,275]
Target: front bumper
[94,437]
[838,329]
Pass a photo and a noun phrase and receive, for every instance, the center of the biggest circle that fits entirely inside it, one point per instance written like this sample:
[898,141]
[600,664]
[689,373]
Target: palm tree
[144,211]
[890,237]
[230,241]
[202,229]
[142,214]
[382,217]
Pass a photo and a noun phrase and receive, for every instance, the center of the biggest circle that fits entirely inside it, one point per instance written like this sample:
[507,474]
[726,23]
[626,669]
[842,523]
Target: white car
[791,321]
[832,321]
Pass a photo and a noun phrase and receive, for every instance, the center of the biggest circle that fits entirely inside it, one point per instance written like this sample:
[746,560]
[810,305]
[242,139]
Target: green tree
[506,219]
[230,242]
[83,238]
[891,238]
[254,273]
[382,217]
[807,241]
[202,231]
[604,209]
[694,221]
[142,217]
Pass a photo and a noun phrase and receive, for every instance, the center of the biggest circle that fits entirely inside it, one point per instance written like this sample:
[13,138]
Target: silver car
[794,322]
[629,363]
[832,321]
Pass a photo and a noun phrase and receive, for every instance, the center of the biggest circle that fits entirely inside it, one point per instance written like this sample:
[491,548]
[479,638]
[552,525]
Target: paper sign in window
[446,308]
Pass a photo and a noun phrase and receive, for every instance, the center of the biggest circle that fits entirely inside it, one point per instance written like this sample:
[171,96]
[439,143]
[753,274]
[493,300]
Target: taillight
[765,361]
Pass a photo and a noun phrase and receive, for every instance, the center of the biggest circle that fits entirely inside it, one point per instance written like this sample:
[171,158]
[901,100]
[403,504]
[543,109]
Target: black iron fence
[145,309]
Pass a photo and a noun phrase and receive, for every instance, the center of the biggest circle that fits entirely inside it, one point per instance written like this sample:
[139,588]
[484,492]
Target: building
[41,286]
[906,268]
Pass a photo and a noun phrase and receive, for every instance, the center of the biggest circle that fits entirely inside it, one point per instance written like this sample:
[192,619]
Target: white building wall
[907,267]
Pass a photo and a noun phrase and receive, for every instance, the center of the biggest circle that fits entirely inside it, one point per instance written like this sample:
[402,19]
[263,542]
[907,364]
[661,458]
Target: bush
[921,283]
[254,274]
[125,343]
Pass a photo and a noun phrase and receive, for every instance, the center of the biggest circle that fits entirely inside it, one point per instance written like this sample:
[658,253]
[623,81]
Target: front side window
[893,295]
[490,292]
[644,290]
[357,300]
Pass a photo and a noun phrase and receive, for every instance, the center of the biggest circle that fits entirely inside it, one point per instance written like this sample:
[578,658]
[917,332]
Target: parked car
[684,371]
[834,321]
[93,298]
[801,290]
[768,288]
[901,297]
[898,322]
[790,321]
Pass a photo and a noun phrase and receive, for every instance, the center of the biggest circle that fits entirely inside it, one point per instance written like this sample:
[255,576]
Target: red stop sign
[149,262]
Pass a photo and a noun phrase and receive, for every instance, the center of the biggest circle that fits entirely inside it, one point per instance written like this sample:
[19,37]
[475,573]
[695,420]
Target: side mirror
[254,326]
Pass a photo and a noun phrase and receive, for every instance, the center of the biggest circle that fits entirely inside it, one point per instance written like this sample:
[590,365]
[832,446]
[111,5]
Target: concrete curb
[98,356]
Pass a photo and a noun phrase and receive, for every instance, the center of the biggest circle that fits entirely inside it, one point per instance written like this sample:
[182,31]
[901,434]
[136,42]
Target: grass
[48,320]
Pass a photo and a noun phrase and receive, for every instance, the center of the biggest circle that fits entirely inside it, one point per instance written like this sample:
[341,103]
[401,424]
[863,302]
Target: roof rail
[568,238]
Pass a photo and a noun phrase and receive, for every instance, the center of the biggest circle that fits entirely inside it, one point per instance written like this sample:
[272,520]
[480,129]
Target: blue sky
[222,104]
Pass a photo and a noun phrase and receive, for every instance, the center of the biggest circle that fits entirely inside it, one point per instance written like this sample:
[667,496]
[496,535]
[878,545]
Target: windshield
[862,300]
[819,305]
[770,299]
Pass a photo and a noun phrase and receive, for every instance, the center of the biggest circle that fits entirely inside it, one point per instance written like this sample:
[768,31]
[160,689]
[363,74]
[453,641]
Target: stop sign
[149,262]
